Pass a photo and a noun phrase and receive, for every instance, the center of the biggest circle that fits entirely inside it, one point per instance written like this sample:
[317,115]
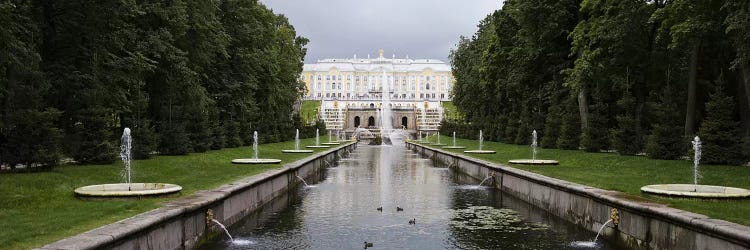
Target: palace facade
[354,79]
[351,92]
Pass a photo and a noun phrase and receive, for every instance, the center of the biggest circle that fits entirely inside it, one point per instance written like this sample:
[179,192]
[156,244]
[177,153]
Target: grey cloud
[419,28]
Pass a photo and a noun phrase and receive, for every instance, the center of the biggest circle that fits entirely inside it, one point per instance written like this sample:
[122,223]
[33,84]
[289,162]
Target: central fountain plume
[386,126]
[255,159]
[454,146]
[694,190]
[125,155]
[481,145]
[127,189]
[534,150]
[296,146]
[317,141]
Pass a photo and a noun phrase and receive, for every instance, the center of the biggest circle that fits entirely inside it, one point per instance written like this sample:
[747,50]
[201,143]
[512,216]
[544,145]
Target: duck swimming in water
[380,209]
[368,244]
[399,209]
[413,221]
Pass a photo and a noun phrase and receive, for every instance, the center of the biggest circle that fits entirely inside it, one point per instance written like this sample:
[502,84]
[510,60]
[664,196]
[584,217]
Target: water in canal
[449,211]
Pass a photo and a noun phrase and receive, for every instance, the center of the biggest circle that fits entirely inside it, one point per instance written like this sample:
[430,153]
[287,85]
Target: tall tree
[691,27]
[28,131]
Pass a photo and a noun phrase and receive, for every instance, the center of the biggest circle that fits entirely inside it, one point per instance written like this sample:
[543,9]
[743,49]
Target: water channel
[339,211]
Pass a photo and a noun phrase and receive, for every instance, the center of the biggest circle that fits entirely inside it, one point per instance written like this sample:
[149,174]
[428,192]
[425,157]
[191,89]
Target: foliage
[718,132]
[183,75]
[666,140]
[309,111]
[589,74]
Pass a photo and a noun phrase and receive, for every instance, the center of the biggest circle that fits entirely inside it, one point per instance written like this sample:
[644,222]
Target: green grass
[309,111]
[451,112]
[39,208]
[628,174]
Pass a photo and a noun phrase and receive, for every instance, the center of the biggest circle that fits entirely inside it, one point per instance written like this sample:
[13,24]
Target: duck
[399,209]
[368,244]
[413,221]
[380,209]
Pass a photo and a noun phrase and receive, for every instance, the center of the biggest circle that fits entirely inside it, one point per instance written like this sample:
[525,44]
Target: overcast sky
[419,28]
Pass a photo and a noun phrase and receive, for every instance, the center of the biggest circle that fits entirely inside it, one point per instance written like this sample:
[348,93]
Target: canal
[448,210]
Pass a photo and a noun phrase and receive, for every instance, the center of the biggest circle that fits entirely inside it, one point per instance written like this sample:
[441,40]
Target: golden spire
[381,52]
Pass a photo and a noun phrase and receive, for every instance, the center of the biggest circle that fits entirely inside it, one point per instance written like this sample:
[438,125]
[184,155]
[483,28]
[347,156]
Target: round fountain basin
[296,151]
[454,147]
[256,161]
[696,191]
[331,143]
[479,152]
[127,190]
[533,162]
[318,146]
[439,144]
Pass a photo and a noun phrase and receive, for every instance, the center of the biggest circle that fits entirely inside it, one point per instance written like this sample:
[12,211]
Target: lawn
[39,208]
[309,111]
[627,174]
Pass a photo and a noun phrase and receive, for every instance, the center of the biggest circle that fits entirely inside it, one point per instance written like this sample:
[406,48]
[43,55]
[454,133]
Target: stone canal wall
[642,225]
[181,224]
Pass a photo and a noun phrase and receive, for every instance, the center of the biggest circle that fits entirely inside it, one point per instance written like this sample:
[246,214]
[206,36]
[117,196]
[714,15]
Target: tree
[691,26]
[666,139]
[29,134]
[719,131]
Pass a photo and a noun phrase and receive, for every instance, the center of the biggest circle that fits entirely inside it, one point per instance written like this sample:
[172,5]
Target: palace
[351,91]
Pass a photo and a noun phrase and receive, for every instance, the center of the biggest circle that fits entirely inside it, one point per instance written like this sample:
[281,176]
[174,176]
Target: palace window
[319,77]
[427,86]
[328,77]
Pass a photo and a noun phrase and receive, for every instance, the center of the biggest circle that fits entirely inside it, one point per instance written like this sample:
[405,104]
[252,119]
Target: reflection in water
[448,214]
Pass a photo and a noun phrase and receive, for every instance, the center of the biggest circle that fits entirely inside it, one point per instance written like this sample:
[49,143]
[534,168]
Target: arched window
[356,121]
[404,122]
[427,86]
[371,122]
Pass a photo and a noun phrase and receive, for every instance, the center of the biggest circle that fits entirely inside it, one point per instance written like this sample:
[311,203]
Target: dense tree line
[632,76]
[184,75]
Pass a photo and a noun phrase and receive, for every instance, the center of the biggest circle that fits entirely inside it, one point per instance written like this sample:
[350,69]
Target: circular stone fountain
[330,140]
[255,159]
[454,146]
[317,141]
[481,143]
[296,146]
[127,189]
[533,160]
[694,190]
